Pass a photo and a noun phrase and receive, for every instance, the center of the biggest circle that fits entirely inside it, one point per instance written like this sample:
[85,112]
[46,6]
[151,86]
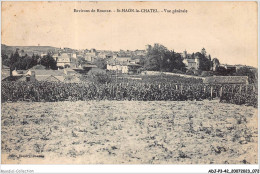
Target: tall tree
[5,60]
[154,58]
[13,59]
[101,63]
[159,58]
[204,62]
[48,62]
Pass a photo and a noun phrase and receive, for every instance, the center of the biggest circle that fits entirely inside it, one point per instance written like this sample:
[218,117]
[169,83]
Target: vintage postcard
[129,82]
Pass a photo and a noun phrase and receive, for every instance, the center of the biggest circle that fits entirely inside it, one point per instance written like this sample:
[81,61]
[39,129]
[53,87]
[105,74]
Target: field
[129,132]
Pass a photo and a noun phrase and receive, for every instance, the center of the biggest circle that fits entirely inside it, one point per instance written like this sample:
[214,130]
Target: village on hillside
[39,63]
[140,83]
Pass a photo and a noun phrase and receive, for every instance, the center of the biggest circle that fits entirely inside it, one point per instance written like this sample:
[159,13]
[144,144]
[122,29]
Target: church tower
[203,52]
[185,54]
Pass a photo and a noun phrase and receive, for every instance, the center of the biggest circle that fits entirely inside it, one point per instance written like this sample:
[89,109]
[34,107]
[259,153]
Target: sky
[227,30]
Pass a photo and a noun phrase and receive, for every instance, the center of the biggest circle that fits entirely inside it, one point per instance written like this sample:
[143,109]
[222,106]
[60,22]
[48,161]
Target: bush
[245,71]
[174,70]
[180,72]
[177,71]
[101,78]
[206,73]
[197,72]
[190,72]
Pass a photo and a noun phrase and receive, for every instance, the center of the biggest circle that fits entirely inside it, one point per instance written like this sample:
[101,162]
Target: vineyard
[130,90]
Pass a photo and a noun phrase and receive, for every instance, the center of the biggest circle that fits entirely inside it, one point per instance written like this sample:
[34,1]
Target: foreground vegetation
[130,90]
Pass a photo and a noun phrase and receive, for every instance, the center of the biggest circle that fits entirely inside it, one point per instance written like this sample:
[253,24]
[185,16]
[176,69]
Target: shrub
[177,71]
[101,78]
[174,70]
[206,73]
[190,72]
[197,72]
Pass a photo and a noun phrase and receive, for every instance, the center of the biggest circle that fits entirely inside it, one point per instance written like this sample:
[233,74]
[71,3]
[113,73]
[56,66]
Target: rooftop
[48,72]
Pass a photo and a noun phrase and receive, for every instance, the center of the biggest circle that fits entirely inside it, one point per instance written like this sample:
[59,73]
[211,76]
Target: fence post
[211,92]
[220,92]
[240,89]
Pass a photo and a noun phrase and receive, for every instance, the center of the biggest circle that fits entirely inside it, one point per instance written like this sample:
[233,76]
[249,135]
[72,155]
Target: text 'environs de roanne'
[131,10]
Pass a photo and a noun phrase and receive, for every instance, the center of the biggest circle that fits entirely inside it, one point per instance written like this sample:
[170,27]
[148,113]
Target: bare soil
[129,132]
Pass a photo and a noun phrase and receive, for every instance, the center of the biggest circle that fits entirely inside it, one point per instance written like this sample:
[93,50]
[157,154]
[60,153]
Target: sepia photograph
[129,82]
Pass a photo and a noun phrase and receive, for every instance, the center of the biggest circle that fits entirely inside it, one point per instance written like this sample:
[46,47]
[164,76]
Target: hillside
[30,49]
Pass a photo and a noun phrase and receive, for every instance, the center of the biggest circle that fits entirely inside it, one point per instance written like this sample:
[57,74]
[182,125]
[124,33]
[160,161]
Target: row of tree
[15,61]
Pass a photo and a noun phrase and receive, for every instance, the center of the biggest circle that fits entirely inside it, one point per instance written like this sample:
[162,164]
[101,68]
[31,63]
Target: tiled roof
[49,72]
[190,60]
[89,66]
[39,67]
[49,78]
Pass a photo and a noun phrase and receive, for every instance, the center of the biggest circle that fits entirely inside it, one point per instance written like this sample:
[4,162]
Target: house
[47,78]
[124,68]
[63,60]
[90,55]
[189,61]
[44,75]
[20,72]
[120,60]
[133,68]
[118,68]
[104,54]
[192,63]
[140,52]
